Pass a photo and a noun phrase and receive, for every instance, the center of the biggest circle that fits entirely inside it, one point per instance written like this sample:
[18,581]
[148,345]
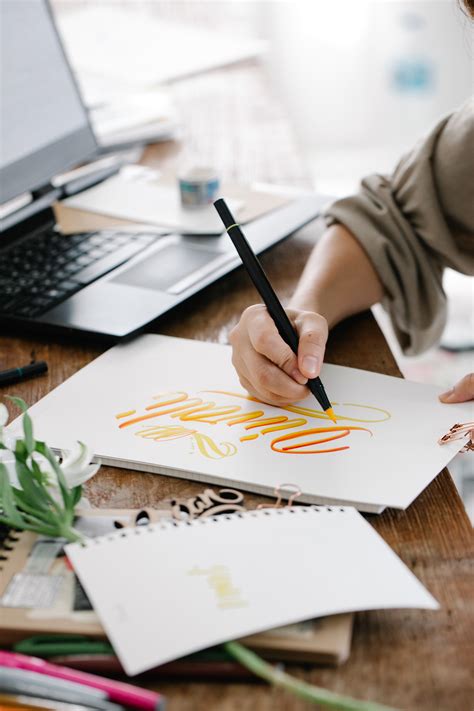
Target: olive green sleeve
[415,223]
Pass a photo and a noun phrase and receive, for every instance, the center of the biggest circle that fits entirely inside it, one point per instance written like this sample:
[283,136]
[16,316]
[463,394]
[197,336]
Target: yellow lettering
[208,447]
[218,578]
[210,410]
[165,432]
[187,409]
[247,438]
[125,414]
[245,418]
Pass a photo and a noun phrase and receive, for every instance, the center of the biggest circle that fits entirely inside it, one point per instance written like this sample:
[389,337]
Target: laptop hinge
[42,199]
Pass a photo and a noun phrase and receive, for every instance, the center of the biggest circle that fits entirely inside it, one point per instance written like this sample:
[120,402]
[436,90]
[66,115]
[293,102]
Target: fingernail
[310,364]
[447,394]
[299,377]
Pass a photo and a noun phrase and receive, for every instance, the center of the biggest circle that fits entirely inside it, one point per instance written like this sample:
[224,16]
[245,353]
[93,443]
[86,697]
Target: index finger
[313,334]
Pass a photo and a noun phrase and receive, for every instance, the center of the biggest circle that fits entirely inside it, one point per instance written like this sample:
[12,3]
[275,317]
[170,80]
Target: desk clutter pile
[159,591]
[41,594]
[138,566]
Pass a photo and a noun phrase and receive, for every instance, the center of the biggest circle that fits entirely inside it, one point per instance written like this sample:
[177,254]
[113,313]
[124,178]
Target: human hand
[267,367]
[463,391]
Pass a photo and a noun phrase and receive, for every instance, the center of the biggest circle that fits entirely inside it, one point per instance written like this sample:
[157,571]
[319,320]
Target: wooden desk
[408,659]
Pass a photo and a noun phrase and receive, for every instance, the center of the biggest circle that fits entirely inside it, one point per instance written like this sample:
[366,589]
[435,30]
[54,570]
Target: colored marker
[117,691]
[16,375]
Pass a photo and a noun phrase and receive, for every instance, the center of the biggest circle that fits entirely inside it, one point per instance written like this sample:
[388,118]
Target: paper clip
[279,496]
[459,431]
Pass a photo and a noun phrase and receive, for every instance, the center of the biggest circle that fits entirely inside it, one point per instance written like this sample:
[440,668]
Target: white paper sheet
[153,202]
[386,463]
[167,592]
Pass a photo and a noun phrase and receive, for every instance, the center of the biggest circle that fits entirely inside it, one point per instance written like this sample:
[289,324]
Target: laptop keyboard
[46,269]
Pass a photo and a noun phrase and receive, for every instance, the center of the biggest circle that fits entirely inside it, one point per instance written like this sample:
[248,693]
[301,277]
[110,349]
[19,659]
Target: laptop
[109,283]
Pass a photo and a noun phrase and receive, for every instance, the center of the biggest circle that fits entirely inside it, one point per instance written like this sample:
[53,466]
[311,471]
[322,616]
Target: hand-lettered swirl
[298,440]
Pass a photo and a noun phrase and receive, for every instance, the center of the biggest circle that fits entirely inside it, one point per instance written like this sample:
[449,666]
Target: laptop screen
[44,126]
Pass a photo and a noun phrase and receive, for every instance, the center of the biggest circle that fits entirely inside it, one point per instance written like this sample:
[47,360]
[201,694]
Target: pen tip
[331,415]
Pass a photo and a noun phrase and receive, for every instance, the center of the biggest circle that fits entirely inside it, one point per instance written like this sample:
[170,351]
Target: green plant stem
[306,691]
[44,531]
[71,535]
[67,532]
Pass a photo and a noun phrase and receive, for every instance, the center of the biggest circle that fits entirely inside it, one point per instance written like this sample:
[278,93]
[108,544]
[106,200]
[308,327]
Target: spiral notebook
[173,588]
[39,595]
[175,406]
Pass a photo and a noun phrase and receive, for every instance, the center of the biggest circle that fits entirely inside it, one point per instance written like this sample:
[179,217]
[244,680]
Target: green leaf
[36,518]
[7,501]
[43,448]
[24,504]
[8,522]
[43,530]
[40,476]
[21,452]
[35,492]
[32,507]
[28,430]
[76,494]
[42,480]
[19,402]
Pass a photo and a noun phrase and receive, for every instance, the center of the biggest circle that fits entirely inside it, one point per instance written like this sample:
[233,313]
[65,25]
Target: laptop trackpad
[173,268]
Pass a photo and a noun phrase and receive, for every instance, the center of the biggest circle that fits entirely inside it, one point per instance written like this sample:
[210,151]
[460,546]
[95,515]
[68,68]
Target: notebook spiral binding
[8,538]
[169,524]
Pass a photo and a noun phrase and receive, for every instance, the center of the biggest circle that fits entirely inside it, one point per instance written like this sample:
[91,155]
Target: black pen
[16,375]
[265,289]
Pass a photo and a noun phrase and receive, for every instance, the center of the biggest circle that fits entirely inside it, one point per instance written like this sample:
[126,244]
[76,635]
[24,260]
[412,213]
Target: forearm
[339,279]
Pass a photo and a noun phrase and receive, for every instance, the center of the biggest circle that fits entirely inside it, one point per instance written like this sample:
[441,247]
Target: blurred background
[360,82]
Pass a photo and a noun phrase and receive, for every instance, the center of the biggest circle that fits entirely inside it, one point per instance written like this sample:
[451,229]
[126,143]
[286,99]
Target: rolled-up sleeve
[415,223]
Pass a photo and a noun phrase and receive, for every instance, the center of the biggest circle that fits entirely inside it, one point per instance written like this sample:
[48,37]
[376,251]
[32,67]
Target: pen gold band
[231,226]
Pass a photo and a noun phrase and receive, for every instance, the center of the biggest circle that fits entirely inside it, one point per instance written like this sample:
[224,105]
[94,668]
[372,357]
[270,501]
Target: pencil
[271,301]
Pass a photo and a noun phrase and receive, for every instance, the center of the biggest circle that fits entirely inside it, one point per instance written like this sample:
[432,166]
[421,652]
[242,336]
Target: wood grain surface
[407,659]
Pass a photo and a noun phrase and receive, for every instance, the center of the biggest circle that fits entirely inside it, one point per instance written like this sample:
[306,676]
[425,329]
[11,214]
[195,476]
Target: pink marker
[118,691]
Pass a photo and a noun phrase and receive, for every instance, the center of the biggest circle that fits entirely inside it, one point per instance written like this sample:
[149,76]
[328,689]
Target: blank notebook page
[170,589]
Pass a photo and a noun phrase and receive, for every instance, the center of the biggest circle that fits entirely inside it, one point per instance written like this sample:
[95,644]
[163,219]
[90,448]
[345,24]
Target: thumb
[313,333]
[461,392]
